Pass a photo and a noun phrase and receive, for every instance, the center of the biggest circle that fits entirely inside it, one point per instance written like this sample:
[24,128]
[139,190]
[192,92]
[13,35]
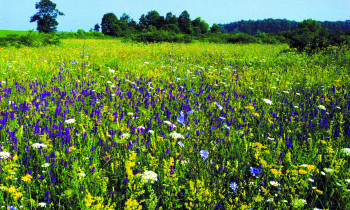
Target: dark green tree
[97,27]
[46,17]
[215,28]
[109,24]
[185,22]
[201,24]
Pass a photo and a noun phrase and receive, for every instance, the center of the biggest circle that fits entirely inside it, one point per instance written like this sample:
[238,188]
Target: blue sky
[84,14]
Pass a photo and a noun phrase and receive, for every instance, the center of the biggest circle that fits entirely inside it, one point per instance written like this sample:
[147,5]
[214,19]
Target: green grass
[4,33]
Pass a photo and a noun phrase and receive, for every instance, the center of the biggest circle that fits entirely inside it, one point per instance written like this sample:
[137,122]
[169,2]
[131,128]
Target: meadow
[106,124]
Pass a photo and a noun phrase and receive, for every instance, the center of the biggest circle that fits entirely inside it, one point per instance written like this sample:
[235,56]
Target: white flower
[273,87]
[38,145]
[284,201]
[42,204]
[297,94]
[345,152]
[323,173]
[81,174]
[170,123]
[176,136]
[109,82]
[311,180]
[328,170]
[45,165]
[141,127]
[184,162]
[151,131]
[130,113]
[267,101]
[285,91]
[125,136]
[70,121]
[338,107]
[269,200]
[347,181]
[11,102]
[4,155]
[111,70]
[322,107]
[276,184]
[149,176]
[146,62]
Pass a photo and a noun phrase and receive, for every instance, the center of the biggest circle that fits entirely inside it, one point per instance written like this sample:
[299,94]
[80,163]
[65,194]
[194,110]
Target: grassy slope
[4,33]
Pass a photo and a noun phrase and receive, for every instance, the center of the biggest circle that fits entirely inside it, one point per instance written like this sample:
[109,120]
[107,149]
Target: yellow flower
[310,167]
[72,148]
[15,157]
[11,189]
[27,178]
[301,171]
[249,107]
[319,191]
[276,172]
[18,195]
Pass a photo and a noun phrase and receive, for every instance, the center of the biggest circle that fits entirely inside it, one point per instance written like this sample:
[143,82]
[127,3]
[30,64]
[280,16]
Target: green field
[4,33]
[106,124]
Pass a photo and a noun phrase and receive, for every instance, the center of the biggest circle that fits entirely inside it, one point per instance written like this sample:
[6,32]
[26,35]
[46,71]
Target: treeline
[153,27]
[255,27]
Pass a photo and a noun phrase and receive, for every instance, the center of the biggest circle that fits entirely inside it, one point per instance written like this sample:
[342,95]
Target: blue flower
[180,144]
[228,128]
[187,135]
[181,119]
[223,118]
[233,186]
[204,154]
[254,171]
[11,208]
[190,112]
[191,90]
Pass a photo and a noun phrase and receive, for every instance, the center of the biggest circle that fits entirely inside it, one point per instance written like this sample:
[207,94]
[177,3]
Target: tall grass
[107,124]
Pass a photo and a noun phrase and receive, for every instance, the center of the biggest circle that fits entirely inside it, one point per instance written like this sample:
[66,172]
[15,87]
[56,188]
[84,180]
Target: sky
[84,14]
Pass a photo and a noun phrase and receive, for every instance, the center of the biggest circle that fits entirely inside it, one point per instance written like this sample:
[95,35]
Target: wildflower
[130,113]
[149,176]
[270,200]
[219,106]
[125,136]
[81,174]
[45,165]
[191,90]
[276,172]
[70,121]
[267,101]
[11,208]
[38,145]
[146,62]
[111,71]
[204,154]
[170,123]
[311,180]
[181,144]
[347,180]
[254,171]
[301,171]
[323,173]
[27,178]
[4,155]
[322,107]
[42,204]
[18,195]
[276,184]
[176,136]
[233,186]
[298,203]
[151,131]
[345,152]
[328,170]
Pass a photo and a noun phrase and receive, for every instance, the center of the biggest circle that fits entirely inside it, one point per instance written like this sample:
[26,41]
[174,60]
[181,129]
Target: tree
[109,24]
[46,17]
[97,28]
[185,22]
[215,28]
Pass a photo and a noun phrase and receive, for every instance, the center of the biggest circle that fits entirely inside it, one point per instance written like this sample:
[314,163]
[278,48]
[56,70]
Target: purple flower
[180,144]
[254,171]
[204,154]
[233,186]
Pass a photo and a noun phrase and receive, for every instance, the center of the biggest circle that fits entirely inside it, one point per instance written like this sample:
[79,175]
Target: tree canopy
[46,17]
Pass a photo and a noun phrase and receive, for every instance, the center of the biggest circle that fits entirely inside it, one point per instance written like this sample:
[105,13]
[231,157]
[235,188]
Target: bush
[30,40]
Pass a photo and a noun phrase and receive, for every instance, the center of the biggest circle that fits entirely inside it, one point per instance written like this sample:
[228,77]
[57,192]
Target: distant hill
[254,27]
